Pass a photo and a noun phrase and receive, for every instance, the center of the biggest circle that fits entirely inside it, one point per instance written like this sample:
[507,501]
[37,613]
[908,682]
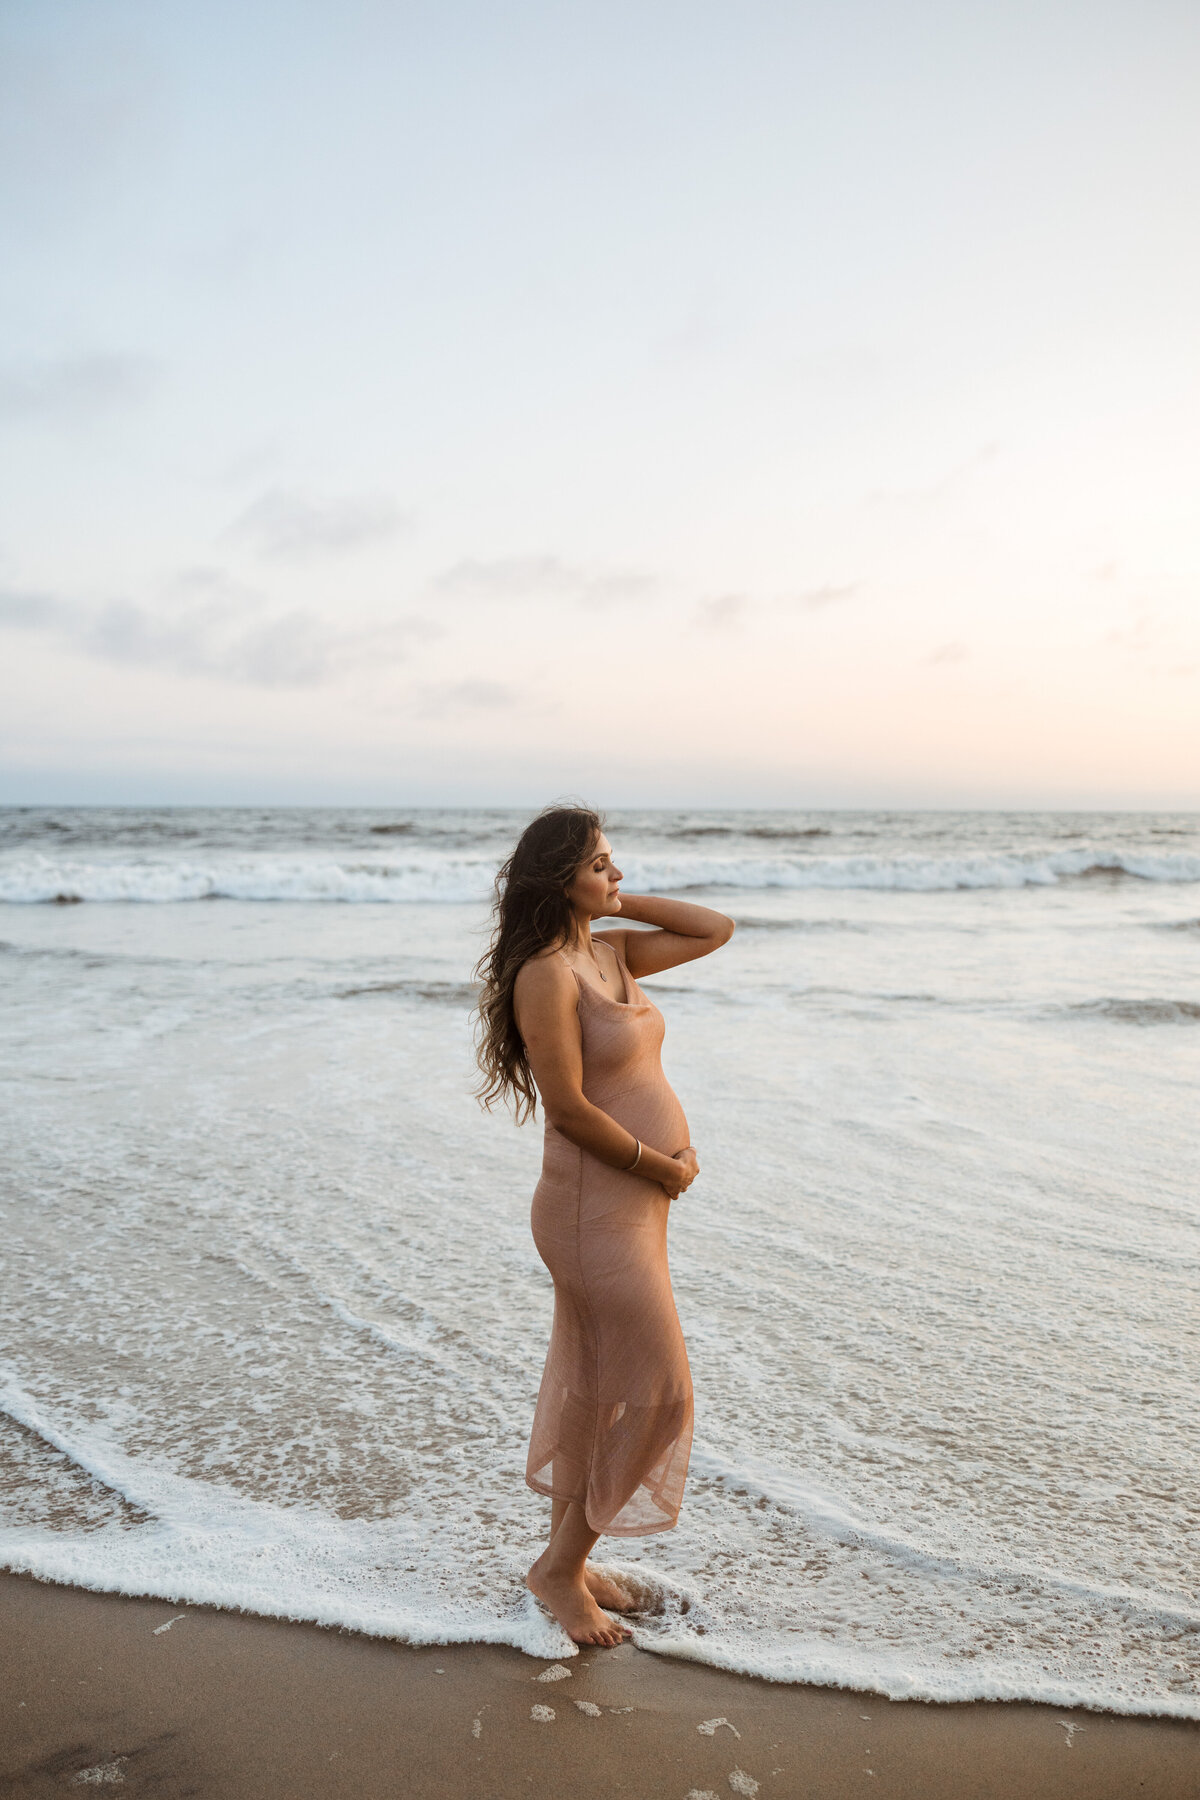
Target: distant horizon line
[519,806]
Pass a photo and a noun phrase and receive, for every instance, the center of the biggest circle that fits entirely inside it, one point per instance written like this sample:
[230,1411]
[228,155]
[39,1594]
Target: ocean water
[273,1321]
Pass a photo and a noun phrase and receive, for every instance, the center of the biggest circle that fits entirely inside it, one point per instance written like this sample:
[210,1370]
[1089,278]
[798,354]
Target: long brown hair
[531,913]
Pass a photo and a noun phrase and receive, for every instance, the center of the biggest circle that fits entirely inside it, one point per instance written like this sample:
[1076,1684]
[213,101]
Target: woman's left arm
[684,932]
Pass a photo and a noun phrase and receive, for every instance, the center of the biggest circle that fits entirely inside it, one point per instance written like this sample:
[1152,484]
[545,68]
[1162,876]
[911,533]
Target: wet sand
[141,1697]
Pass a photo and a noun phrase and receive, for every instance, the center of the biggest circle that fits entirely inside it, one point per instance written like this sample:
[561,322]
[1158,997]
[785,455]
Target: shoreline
[104,1689]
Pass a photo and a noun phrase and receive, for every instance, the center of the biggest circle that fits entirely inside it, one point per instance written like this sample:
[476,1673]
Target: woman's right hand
[688,1164]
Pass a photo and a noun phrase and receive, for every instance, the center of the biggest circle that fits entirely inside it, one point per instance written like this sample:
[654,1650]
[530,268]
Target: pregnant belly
[651,1111]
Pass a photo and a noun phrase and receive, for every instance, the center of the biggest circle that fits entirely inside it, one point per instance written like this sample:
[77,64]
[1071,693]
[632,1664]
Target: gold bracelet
[630,1167]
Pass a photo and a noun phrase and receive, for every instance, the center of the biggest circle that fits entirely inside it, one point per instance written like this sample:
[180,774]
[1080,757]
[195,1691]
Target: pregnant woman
[562,1009]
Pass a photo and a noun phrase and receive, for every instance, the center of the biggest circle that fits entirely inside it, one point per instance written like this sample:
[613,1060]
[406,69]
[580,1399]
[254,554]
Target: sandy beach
[101,1690]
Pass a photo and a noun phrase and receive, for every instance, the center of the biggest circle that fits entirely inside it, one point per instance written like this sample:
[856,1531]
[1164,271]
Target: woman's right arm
[545,1001]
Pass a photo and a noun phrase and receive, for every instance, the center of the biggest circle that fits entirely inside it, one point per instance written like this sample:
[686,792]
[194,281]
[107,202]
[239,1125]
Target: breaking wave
[434,877]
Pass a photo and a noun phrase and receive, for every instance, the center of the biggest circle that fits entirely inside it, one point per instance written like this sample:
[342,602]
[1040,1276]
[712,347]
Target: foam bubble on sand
[101,1774]
[589,1707]
[709,1727]
[741,1783]
[555,1672]
[476,1728]
[543,1714]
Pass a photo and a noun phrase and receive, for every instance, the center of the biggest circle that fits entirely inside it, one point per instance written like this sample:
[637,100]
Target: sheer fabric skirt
[612,1428]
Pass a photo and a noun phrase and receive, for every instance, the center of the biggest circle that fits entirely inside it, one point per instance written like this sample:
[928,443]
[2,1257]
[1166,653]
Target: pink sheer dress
[613,1425]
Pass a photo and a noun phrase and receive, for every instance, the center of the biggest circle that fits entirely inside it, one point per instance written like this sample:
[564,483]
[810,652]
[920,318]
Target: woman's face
[593,892]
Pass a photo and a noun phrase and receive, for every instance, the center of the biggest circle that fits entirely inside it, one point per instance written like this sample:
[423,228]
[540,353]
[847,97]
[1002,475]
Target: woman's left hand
[687,1156]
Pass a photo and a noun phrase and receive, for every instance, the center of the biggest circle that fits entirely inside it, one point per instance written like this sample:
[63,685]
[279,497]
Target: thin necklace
[599,970]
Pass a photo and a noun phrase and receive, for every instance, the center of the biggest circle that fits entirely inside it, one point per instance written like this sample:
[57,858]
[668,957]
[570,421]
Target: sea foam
[443,877]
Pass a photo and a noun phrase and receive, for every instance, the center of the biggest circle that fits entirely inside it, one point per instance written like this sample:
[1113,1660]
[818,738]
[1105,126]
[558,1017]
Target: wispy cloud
[75,387]
[23,611]
[726,612]
[211,629]
[540,577]
[935,491]
[290,523]
[723,613]
[813,599]
[1152,635]
[1142,629]
[437,699]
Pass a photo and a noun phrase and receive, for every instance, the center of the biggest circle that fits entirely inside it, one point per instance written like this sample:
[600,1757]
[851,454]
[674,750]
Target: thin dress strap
[579,981]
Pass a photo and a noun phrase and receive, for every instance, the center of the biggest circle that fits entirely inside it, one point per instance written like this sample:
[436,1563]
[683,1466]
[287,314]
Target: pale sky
[771,404]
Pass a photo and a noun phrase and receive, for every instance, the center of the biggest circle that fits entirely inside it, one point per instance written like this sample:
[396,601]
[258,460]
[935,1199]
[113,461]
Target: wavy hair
[531,913]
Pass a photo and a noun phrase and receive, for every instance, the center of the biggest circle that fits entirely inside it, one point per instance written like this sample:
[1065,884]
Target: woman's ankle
[559,1569]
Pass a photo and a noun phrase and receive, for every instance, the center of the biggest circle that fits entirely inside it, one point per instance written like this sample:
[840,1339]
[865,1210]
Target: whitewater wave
[192,1541]
[432,877]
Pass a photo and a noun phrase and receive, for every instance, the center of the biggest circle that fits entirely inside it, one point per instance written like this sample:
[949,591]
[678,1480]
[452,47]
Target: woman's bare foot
[606,1592]
[573,1607]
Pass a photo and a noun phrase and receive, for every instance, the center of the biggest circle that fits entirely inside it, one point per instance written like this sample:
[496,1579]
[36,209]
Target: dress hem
[604,1530]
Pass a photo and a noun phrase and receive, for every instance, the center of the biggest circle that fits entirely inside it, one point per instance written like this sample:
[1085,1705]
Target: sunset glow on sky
[779,405]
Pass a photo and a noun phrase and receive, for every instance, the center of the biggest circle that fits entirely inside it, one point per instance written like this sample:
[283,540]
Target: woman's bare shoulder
[544,990]
[545,972]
